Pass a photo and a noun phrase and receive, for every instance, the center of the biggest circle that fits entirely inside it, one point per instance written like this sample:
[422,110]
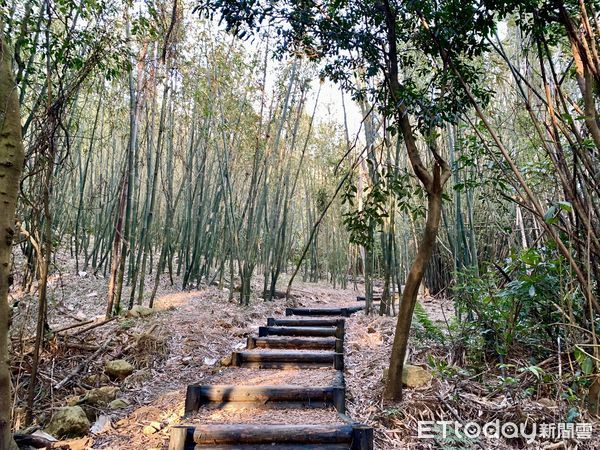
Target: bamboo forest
[299,224]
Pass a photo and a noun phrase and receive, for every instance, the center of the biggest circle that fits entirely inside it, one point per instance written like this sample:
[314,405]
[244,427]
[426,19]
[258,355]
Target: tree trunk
[11,164]
[434,185]
[409,296]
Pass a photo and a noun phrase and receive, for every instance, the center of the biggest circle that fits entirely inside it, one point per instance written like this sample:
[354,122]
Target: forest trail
[170,169]
[308,413]
[201,334]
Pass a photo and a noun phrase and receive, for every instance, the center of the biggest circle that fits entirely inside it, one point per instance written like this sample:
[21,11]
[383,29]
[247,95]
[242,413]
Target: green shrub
[517,305]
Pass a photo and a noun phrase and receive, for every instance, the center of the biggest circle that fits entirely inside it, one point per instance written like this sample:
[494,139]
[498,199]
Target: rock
[147,430]
[118,403]
[209,361]
[140,311]
[118,369]
[225,361]
[415,376]
[100,396]
[95,379]
[152,428]
[69,421]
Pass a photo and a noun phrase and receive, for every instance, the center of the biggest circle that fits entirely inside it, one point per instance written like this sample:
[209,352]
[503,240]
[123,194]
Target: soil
[322,416]
[286,350]
[266,377]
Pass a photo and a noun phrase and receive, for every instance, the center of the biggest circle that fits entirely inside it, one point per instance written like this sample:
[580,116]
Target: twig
[81,366]
[75,325]
[456,416]
[96,325]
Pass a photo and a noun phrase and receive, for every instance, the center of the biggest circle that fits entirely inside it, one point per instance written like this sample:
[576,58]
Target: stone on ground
[225,361]
[415,376]
[69,421]
[118,403]
[100,396]
[152,428]
[118,369]
[140,311]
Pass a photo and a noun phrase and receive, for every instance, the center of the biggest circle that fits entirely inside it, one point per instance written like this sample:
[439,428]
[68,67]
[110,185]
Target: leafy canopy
[351,41]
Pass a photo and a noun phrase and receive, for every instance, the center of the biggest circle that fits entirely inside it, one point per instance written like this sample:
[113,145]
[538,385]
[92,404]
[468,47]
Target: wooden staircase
[313,340]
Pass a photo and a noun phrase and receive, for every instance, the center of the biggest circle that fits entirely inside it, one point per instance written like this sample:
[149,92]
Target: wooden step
[276,396]
[275,447]
[345,312]
[301,331]
[287,360]
[251,436]
[361,298]
[303,343]
[323,322]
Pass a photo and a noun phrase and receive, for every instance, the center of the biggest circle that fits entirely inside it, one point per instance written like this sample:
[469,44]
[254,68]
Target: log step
[326,343]
[287,360]
[250,436]
[271,434]
[276,396]
[345,312]
[324,322]
[301,331]
[273,447]
[361,298]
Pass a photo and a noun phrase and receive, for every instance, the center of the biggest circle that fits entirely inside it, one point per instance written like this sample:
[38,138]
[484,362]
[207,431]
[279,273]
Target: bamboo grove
[191,167]
[160,149]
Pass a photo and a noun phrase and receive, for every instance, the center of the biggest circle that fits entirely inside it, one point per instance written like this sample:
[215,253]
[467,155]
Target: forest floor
[185,339]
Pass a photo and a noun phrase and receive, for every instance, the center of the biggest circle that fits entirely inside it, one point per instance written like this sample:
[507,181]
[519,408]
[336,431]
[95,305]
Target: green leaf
[565,206]
[587,366]
[550,216]
[572,415]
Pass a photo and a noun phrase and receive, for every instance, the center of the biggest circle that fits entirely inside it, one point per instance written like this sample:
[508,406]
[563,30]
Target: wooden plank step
[361,298]
[257,437]
[345,312]
[272,434]
[301,331]
[275,447]
[276,396]
[326,343]
[322,322]
[287,360]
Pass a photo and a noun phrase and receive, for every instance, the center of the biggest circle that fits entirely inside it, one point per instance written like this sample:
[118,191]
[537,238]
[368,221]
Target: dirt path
[202,328]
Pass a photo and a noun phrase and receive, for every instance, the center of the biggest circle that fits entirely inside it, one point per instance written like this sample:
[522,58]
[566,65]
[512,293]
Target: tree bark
[11,165]
[409,295]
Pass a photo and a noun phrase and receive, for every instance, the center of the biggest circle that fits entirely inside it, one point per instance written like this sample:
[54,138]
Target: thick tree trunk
[409,296]
[11,164]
